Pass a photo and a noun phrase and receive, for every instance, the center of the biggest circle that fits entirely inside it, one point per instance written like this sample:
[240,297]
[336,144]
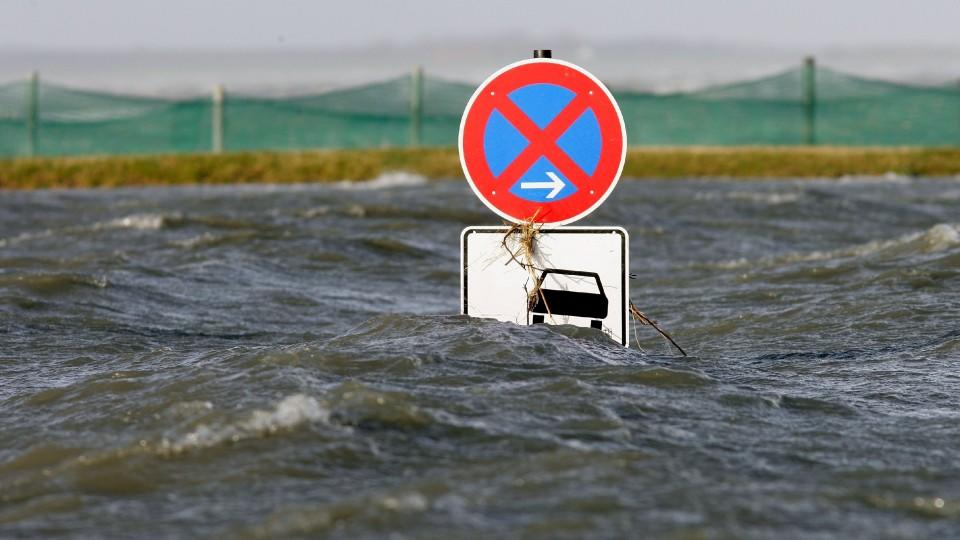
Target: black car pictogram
[571,303]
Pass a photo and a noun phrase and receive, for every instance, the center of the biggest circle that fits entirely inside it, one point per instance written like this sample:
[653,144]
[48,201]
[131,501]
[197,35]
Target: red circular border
[612,134]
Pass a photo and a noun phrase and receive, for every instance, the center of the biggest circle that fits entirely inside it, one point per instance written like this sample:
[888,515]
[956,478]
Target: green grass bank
[437,163]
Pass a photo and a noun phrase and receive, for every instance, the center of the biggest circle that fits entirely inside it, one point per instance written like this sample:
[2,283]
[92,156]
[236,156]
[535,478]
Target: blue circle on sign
[543,181]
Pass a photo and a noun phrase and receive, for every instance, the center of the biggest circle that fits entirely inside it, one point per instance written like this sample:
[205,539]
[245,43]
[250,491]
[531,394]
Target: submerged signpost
[542,144]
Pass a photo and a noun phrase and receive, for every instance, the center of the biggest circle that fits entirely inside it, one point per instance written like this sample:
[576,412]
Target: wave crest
[940,237]
[385,181]
[287,414]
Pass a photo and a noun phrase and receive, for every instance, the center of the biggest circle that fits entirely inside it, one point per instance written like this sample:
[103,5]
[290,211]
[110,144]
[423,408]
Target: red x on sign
[544,140]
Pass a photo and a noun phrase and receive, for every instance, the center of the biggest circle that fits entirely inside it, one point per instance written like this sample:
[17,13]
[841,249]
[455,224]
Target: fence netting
[807,105]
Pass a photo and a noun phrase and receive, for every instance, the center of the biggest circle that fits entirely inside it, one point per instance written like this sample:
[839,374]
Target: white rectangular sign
[582,274]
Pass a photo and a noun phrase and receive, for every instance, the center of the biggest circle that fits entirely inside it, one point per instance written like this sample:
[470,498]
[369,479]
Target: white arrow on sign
[555,184]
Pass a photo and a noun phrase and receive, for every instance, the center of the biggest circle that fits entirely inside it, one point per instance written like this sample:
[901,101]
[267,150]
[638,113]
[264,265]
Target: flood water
[261,362]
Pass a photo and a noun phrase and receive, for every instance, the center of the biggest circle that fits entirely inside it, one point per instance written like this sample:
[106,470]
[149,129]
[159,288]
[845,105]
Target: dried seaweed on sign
[525,234]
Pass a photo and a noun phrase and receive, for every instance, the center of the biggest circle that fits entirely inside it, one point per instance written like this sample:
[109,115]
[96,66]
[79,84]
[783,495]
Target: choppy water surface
[286,361]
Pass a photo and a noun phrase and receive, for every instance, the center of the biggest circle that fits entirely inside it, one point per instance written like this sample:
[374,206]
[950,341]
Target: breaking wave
[940,237]
[140,222]
[287,414]
[384,181]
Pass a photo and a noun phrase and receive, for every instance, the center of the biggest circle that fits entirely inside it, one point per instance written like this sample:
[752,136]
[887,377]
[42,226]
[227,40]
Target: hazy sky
[241,24]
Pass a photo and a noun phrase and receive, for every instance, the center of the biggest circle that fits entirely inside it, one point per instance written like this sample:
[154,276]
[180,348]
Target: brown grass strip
[747,162]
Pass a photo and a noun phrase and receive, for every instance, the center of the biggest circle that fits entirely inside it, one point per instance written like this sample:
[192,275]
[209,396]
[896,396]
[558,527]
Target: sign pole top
[542,53]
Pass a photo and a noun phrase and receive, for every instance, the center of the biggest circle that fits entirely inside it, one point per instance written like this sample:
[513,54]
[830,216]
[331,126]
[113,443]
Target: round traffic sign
[542,139]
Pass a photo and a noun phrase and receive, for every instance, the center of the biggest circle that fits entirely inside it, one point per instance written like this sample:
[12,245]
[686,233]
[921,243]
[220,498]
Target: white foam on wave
[322,518]
[937,238]
[141,222]
[940,237]
[888,178]
[316,211]
[195,241]
[385,181]
[765,198]
[290,412]
[732,264]
[24,237]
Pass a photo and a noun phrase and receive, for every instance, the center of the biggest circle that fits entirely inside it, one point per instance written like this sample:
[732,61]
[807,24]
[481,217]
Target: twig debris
[647,321]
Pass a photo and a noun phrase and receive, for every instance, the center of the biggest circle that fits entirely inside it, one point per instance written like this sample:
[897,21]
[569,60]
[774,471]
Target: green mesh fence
[14,131]
[801,106]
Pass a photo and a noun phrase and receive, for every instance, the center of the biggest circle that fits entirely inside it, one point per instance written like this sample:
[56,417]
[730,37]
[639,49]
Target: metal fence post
[216,119]
[416,106]
[810,100]
[32,112]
